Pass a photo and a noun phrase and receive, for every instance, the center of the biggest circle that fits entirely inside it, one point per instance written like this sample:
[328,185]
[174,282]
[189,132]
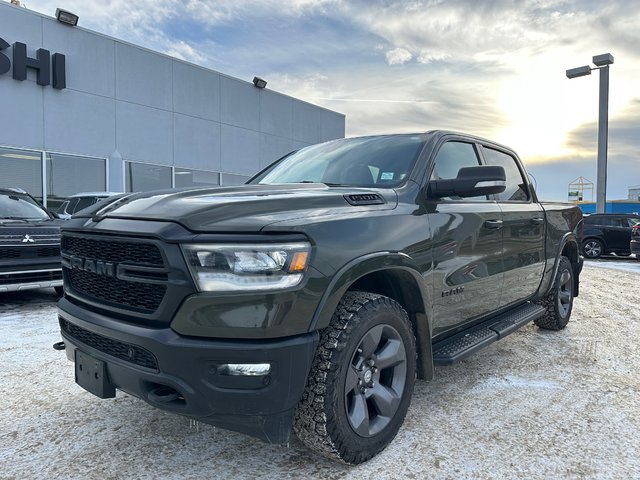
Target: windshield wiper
[328,184]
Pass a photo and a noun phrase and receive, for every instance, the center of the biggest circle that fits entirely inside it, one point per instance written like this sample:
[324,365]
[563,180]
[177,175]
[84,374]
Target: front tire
[360,384]
[559,301]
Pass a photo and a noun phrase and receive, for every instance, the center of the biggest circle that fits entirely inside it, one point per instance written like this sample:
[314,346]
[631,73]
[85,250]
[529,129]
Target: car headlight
[246,267]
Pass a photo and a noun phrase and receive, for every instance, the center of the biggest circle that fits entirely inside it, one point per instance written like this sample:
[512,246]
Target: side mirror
[470,182]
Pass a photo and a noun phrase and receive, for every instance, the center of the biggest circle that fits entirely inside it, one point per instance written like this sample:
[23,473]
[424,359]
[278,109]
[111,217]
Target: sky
[490,68]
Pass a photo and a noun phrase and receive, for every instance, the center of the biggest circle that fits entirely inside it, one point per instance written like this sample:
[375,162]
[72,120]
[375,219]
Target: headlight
[232,268]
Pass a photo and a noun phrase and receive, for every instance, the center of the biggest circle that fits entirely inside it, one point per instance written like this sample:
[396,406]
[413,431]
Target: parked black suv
[635,241]
[29,243]
[608,233]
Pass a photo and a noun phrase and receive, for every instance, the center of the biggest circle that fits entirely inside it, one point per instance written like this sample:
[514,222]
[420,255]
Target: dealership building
[82,111]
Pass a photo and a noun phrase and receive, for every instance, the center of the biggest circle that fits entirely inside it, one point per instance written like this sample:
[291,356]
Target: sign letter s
[5,63]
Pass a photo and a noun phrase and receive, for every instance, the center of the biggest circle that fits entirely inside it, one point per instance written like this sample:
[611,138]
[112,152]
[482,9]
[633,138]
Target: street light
[601,63]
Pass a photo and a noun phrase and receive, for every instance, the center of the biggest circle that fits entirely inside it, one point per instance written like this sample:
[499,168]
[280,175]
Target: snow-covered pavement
[537,405]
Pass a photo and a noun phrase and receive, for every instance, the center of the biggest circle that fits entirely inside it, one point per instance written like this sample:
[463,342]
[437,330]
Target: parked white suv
[80,201]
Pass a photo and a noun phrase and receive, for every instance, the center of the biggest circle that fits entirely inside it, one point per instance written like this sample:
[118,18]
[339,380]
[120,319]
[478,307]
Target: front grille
[30,277]
[109,251]
[48,252]
[27,252]
[145,297]
[9,253]
[115,348]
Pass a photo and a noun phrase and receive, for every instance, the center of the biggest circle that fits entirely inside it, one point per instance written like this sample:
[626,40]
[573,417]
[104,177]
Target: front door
[467,246]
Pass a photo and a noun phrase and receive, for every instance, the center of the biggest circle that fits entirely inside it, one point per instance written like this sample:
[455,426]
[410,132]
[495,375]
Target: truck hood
[247,208]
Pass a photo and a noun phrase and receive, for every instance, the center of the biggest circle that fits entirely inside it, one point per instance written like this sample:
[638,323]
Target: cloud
[398,56]
[491,68]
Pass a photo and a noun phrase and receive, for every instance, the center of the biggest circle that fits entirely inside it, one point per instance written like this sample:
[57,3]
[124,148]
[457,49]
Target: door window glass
[451,157]
[516,189]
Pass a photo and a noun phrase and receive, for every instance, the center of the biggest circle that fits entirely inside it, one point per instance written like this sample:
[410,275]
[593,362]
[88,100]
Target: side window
[516,190]
[451,157]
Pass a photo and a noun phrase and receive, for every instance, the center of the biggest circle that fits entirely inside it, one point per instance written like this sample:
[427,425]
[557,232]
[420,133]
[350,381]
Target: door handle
[537,220]
[493,224]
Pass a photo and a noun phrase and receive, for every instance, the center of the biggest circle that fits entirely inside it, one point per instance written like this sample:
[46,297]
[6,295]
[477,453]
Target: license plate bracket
[91,374]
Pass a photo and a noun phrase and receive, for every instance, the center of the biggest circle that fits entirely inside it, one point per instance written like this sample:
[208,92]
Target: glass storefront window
[142,177]
[229,179]
[21,169]
[195,178]
[70,174]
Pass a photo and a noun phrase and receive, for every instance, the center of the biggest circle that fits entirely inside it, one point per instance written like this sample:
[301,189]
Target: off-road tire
[557,303]
[322,421]
[593,248]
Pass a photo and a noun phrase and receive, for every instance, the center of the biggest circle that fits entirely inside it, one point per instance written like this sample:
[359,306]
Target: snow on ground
[537,405]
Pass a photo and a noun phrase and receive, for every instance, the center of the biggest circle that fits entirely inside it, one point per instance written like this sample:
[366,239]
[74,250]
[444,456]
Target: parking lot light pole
[602,63]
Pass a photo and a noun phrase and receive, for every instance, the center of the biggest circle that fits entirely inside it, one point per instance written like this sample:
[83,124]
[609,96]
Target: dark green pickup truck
[311,298]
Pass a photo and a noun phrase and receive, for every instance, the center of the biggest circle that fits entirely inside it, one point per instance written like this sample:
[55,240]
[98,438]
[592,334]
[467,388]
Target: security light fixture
[579,72]
[259,82]
[601,63]
[603,60]
[69,18]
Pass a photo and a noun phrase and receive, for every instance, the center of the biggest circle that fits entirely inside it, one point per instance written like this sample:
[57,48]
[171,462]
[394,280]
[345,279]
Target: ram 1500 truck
[311,298]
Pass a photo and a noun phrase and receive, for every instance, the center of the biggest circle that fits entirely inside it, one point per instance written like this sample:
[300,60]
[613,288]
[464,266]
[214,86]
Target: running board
[464,344]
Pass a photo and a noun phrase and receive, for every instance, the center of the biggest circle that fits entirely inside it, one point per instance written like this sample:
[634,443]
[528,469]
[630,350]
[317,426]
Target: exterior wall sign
[50,68]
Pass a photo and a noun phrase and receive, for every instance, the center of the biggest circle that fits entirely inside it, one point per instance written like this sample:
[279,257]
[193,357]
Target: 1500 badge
[453,291]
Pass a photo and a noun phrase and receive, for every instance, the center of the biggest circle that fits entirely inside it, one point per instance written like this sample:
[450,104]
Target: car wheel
[558,302]
[360,384]
[59,291]
[592,248]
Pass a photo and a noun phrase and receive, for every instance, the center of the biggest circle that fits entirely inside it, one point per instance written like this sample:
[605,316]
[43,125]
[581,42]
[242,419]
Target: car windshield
[16,206]
[363,162]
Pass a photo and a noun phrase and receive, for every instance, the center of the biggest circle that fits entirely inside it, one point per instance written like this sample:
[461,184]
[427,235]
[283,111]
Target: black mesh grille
[142,296]
[29,252]
[109,251]
[124,351]
[48,252]
[9,253]
[145,297]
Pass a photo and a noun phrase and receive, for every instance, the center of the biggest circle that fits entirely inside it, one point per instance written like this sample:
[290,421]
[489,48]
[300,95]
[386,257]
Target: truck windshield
[383,161]
[16,206]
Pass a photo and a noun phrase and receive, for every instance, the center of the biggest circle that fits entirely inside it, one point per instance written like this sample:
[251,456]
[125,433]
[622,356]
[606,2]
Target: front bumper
[149,362]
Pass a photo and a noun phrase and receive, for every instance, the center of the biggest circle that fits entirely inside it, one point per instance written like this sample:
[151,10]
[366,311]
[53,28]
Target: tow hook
[59,346]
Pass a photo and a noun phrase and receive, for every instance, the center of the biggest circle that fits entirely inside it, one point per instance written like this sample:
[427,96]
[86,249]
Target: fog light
[246,369]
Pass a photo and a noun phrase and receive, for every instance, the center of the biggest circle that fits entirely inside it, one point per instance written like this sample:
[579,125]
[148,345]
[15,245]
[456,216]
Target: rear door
[617,233]
[467,245]
[523,229]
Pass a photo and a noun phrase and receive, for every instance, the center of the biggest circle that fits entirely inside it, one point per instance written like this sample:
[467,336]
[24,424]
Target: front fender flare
[356,269]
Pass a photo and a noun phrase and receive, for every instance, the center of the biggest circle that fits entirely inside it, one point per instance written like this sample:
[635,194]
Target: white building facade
[85,112]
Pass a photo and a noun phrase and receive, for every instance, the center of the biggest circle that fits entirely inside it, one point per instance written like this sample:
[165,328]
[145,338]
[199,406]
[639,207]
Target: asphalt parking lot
[537,405]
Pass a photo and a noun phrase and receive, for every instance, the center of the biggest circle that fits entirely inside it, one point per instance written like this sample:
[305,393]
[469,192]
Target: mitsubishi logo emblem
[27,239]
